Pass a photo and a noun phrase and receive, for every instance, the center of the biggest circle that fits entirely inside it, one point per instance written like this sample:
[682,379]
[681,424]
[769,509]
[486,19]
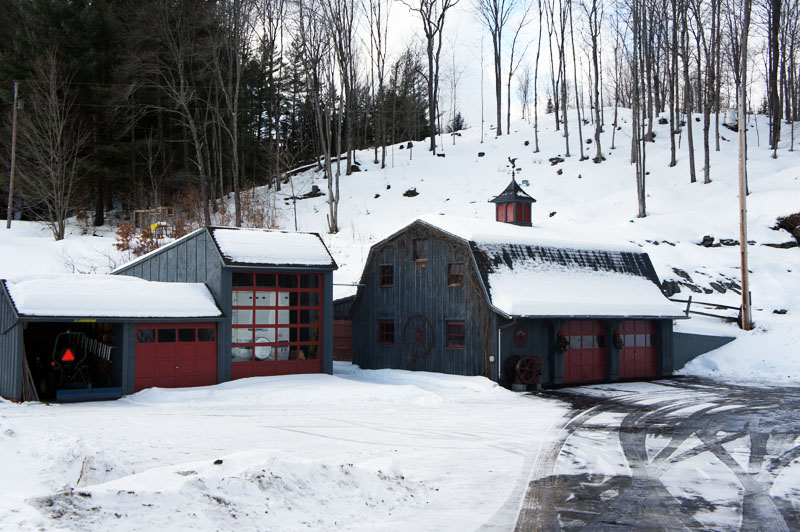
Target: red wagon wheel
[418,336]
[529,369]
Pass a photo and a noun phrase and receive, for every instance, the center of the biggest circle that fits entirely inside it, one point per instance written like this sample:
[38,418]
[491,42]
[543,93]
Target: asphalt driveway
[669,455]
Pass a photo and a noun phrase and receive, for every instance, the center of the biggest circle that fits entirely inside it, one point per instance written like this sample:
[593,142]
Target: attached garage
[638,353]
[175,355]
[585,353]
[79,337]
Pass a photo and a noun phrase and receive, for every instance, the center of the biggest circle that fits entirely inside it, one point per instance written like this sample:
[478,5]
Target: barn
[218,304]
[500,299]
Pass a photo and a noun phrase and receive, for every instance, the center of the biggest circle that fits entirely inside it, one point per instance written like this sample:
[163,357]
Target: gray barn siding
[421,288]
[539,344]
[11,349]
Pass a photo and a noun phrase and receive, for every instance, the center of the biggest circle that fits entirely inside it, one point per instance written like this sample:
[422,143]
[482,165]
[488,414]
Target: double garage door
[175,355]
[585,356]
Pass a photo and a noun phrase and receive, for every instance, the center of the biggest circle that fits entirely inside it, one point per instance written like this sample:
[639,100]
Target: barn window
[518,215]
[205,334]
[276,317]
[420,249]
[455,273]
[526,217]
[456,332]
[386,332]
[387,275]
[501,212]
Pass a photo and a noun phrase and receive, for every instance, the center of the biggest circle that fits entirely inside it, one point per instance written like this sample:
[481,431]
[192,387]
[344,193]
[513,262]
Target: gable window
[386,332]
[420,249]
[455,274]
[456,334]
[387,275]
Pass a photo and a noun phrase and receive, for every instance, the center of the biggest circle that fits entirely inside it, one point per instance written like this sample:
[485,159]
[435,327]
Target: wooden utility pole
[10,210]
[746,323]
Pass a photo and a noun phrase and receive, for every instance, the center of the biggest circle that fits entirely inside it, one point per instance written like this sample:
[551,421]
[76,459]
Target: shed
[471,297]
[275,289]
[132,333]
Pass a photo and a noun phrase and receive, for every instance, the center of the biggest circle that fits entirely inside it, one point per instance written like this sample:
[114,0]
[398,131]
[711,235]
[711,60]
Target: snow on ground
[360,450]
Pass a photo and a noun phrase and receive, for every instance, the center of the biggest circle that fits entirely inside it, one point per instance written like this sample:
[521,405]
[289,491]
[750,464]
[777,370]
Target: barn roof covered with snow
[255,247]
[526,273]
[108,296]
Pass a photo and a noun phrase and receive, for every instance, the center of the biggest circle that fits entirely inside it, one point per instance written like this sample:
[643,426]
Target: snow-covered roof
[530,290]
[109,296]
[492,232]
[268,247]
[529,272]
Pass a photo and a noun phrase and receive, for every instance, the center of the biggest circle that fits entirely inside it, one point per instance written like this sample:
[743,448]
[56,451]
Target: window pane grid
[456,332]
[277,316]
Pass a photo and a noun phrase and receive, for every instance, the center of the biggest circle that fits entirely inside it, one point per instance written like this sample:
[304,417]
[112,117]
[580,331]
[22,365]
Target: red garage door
[585,357]
[175,355]
[639,354]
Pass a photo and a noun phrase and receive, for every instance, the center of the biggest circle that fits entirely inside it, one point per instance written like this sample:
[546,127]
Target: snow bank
[760,357]
[256,490]
[99,296]
[350,385]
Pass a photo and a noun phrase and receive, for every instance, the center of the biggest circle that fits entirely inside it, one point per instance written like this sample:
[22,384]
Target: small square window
[387,275]
[186,335]
[205,334]
[386,332]
[146,336]
[421,249]
[166,336]
[456,333]
[455,274]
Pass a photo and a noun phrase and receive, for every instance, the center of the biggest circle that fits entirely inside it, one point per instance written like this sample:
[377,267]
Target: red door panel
[585,358]
[175,355]
[638,357]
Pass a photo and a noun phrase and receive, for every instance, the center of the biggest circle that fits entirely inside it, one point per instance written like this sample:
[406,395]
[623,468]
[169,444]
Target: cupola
[513,205]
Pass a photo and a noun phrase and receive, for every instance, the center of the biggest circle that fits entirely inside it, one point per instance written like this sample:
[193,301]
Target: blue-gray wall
[11,349]
[420,288]
[196,259]
[688,346]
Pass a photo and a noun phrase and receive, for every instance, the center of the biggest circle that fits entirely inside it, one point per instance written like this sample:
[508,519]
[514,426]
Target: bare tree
[494,15]
[536,84]
[594,15]
[432,13]
[524,80]
[229,52]
[177,57]
[314,47]
[523,21]
[379,27]
[52,142]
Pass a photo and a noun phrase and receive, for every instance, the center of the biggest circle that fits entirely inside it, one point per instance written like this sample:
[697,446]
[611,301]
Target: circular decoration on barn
[418,336]
[520,337]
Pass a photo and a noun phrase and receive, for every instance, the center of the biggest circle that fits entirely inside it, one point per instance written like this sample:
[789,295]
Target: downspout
[500,347]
